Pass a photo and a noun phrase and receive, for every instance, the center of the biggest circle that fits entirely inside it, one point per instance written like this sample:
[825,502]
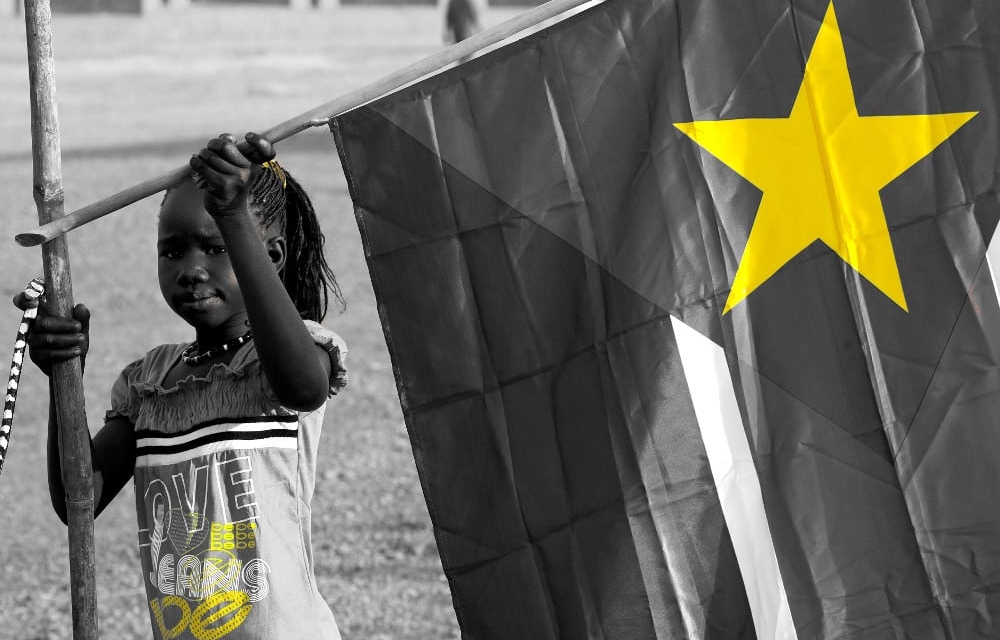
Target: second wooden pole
[67,377]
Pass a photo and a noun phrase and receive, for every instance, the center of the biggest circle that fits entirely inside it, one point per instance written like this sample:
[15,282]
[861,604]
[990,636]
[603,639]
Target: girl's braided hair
[278,200]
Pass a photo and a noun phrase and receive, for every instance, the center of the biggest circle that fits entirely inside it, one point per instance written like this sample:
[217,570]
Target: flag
[692,318]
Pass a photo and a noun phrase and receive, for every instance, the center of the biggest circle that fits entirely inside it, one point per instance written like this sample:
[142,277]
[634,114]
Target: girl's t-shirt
[224,478]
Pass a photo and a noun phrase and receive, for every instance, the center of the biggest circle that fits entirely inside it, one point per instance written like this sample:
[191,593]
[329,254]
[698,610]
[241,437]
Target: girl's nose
[191,273]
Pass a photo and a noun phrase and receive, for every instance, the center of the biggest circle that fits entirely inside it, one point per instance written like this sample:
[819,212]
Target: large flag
[690,308]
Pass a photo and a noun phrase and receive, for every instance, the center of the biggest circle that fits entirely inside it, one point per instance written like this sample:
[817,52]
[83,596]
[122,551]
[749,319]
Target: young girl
[221,434]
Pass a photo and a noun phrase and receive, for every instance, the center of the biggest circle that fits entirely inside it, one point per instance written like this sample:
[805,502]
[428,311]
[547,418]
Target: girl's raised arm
[297,369]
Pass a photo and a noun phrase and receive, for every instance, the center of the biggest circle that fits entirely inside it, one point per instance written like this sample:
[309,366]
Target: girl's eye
[217,250]
[170,254]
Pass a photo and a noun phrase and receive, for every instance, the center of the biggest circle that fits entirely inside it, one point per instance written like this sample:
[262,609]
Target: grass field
[137,96]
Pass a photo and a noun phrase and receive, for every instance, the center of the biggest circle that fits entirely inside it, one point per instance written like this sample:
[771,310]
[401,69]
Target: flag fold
[610,450]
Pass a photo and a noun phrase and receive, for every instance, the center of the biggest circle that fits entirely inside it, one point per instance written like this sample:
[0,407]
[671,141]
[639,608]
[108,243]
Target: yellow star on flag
[820,170]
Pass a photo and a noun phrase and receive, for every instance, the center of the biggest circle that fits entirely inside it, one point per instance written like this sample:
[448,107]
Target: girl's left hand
[222,169]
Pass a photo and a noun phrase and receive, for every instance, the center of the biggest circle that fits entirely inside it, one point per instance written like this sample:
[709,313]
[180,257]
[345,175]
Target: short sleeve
[122,404]
[337,348]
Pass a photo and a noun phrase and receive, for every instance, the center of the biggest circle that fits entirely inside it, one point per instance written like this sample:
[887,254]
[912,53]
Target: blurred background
[141,85]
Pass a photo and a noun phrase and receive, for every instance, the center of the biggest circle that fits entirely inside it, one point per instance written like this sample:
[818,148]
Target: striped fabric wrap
[33,291]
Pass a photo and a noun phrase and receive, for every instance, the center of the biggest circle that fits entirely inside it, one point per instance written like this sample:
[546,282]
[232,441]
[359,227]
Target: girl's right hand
[222,169]
[54,338]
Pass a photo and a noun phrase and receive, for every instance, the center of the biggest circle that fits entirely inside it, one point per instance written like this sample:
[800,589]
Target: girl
[221,434]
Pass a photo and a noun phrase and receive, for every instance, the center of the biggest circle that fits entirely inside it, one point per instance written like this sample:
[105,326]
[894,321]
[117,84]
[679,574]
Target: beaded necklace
[192,358]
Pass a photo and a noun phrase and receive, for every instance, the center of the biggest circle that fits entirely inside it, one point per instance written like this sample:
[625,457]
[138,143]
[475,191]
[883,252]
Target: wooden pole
[67,377]
[317,117]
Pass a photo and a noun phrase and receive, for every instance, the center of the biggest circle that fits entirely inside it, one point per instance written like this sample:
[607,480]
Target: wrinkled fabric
[224,478]
[534,223]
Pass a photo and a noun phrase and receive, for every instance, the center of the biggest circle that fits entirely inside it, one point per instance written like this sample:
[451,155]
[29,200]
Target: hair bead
[273,165]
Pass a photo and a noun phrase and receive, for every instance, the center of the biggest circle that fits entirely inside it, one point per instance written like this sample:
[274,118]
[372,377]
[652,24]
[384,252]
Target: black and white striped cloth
[34,290]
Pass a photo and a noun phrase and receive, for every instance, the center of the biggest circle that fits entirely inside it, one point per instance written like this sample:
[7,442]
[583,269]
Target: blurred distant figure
[461,20]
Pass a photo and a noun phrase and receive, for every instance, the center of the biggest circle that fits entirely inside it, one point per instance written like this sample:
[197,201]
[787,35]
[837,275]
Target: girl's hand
[54,338]
[222,169]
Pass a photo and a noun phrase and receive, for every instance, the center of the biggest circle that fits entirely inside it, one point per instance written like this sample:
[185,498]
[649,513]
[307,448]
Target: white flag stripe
[240,427]
[158,459]
[735,475]
[993,260]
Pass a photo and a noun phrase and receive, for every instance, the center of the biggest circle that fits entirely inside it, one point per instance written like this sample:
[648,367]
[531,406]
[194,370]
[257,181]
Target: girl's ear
[277,252]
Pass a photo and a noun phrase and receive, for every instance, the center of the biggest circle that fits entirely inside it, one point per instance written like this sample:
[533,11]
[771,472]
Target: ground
[136,97]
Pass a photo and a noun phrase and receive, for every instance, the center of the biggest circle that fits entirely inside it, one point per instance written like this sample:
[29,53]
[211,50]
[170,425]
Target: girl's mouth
[199,300]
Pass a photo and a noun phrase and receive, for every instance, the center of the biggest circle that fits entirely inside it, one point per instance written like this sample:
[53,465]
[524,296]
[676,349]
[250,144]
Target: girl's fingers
[221,165]
[24,302]
[56,324]
[82,315]
[205,174]
[56,341]
[257,148]
[226,150]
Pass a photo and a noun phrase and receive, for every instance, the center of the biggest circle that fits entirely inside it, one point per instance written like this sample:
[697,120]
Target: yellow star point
[820,170]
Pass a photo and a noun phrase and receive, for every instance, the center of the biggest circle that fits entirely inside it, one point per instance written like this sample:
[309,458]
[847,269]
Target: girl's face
[196,277]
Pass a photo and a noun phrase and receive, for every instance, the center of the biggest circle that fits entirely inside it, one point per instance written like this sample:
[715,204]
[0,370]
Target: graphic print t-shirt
[224,477]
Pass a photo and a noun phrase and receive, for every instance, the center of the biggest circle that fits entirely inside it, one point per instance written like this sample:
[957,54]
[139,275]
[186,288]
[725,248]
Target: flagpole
[317,117]
[67,377]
